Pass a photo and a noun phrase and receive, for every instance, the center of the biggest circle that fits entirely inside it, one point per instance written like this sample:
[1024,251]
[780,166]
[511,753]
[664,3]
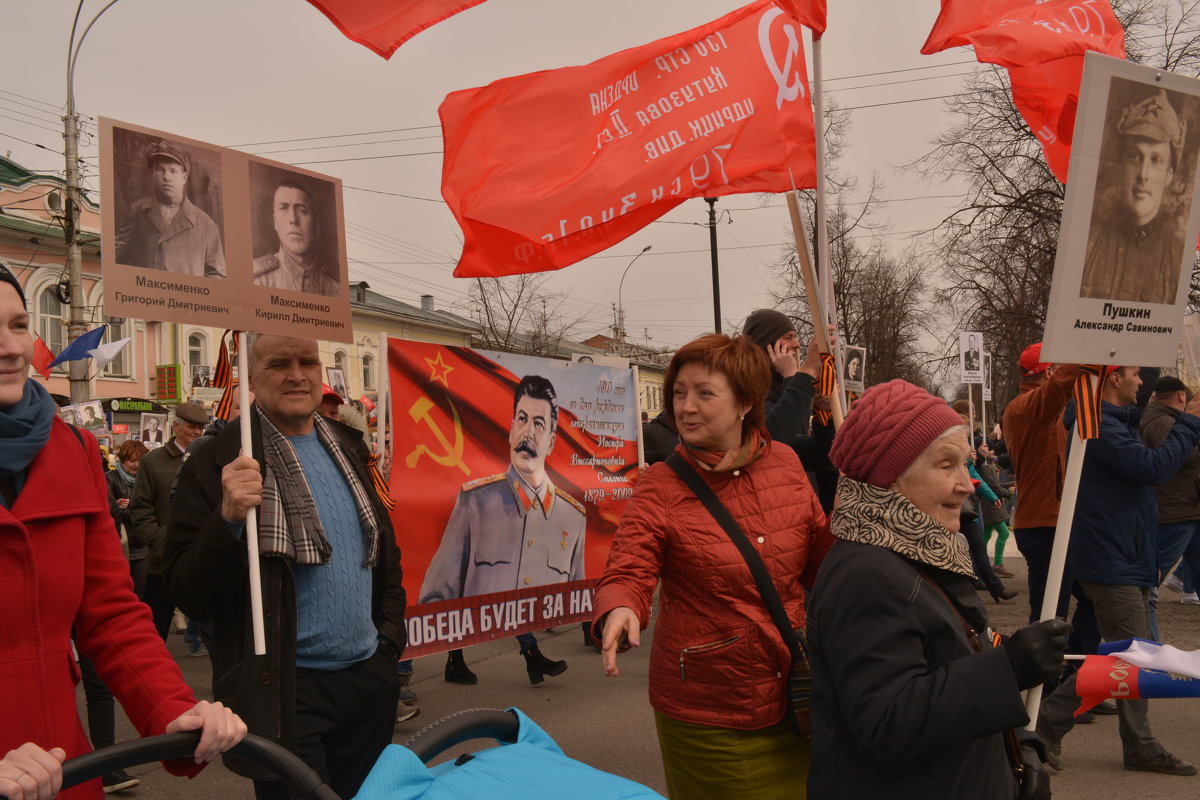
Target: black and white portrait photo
[168,205]
[970,357]
[855,361]
[294,231]
[153,429]
[337,382]
[92,415]
[1138,237]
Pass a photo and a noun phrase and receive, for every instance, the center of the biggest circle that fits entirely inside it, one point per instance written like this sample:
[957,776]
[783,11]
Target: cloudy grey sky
[274,77]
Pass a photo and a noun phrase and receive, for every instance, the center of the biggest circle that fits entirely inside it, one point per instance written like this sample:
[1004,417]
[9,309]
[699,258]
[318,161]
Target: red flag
[546,169]
[809,13]
[1042,44]
[42,357]
[384,25]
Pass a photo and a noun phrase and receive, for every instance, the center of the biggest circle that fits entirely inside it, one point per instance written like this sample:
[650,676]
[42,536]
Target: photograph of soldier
[1135,247]
[201,376]
[294,229]
[168,205]
[337,382]
[68,415]
[970,355]
[515,529]
[152,429]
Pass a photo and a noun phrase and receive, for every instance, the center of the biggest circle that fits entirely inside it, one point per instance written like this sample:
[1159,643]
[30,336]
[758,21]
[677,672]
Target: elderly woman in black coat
[911,699]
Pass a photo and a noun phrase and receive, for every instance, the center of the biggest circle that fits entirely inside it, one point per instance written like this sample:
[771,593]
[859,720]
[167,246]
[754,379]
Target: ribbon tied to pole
[1087,399]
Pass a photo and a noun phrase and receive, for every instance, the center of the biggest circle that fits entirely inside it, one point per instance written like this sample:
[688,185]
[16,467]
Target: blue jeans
[1176,540]
[1035,544]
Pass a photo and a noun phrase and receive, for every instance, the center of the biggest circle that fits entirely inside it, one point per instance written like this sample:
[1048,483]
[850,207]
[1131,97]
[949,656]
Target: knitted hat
[765,326]
[887,428]
[11,280]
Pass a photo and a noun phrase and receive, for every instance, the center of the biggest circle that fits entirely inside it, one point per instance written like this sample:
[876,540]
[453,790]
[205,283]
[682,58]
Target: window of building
[368,373]
[197,351]
[51,323]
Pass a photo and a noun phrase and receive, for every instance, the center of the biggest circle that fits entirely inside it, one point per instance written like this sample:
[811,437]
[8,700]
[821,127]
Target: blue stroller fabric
[533,768]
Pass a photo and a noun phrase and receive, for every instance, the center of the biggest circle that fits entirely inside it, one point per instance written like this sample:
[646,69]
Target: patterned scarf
[871,515]
[288,522]
[753,445]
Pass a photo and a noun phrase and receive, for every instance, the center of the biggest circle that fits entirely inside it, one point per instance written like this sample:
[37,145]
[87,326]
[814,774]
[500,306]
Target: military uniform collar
[527,497]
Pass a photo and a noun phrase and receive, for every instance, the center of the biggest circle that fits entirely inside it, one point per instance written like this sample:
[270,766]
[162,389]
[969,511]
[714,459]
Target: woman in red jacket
[61,567]
[717,663]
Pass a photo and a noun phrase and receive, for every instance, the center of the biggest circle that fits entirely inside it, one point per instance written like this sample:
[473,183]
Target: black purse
[798,690]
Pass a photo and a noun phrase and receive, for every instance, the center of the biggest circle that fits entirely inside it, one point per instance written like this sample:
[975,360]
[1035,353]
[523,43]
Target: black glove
[1036,652]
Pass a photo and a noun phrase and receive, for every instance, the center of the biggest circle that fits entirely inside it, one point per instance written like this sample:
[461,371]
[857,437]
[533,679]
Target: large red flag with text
[1041,43]
[384,25]
[546,169]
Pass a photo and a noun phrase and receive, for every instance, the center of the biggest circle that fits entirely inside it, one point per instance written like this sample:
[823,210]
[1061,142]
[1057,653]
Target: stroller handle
[463,726]
[299,777]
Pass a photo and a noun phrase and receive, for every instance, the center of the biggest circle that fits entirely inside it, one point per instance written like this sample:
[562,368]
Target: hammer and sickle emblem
[788,90]
[451,455]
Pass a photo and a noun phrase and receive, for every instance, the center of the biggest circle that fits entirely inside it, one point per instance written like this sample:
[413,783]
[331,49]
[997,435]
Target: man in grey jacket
[1179,498]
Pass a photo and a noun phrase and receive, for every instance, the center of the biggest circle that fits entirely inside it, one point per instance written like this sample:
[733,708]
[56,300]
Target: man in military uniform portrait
[513,530]
[302,262]
[1136,242]
[166,230]
[971,356]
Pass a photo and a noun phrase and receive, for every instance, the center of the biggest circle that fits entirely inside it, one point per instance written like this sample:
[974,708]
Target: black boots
[539,666]
[458,672]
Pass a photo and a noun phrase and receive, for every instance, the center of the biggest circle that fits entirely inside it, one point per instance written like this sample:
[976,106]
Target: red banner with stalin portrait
[510,474]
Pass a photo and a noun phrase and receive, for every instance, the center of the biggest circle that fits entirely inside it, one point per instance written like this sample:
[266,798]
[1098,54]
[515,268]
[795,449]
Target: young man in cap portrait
[166,230]
[1135,248]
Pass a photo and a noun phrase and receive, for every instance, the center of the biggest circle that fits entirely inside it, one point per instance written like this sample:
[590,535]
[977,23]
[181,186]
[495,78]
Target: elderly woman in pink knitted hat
[911,698]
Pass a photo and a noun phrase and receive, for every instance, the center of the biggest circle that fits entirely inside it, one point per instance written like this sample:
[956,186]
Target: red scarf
[753,445]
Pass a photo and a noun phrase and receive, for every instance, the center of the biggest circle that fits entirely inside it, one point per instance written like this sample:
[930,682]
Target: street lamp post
[620,337]
[76,325]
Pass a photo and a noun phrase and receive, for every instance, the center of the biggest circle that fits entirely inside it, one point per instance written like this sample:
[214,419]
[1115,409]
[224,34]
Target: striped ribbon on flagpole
[223,377]
[1087,399]
[826,384]
[381,487]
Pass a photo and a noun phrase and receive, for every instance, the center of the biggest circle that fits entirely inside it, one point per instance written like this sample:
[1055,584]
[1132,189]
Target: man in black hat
[167,231]
[1179,498]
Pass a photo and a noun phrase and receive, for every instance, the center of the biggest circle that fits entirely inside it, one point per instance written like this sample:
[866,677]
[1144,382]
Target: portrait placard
[987,376]
[212,236]
[970,357]
[510,474]
[337,382]
[855,360]
[152,429]
[1130,220]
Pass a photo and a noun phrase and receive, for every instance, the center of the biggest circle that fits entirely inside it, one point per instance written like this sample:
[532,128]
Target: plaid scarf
[288,522]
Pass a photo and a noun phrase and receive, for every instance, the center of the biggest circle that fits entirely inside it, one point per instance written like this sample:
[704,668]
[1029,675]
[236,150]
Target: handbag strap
[1012,747]
[766,587]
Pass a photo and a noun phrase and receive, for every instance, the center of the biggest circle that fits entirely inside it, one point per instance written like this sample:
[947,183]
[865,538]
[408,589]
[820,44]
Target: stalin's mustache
[525,446]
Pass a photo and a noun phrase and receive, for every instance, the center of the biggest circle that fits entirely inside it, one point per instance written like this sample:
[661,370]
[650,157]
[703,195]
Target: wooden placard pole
[1062,538]
[256,605]
[820,321]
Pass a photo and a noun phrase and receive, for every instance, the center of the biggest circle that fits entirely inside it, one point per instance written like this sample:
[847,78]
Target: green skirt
[704,762]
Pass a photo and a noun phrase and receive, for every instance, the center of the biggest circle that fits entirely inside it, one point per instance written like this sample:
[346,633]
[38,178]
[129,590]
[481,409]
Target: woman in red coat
[61,568]
[717,663]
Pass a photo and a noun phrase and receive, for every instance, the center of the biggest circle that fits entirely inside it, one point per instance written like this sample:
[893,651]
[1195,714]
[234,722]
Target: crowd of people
[819,630]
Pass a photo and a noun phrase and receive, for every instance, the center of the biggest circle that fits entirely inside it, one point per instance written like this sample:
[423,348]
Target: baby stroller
[527,765]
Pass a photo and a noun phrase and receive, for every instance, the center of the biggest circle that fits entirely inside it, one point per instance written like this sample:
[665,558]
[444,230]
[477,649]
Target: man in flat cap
[167,231]
[1135,249]
[300,263]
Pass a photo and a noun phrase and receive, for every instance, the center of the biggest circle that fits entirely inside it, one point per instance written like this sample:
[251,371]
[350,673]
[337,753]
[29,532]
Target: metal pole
[716,274]
[619,333]
[76,324]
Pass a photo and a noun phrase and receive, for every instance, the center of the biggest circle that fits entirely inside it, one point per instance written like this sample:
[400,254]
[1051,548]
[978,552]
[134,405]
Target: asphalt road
[606,722]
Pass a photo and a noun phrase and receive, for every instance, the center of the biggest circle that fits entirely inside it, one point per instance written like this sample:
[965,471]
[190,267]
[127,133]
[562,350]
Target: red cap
[886,429]
[1031,360]
[327,393]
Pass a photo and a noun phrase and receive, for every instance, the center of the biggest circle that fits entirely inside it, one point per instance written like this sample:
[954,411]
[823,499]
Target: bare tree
[997,251]
[516,316]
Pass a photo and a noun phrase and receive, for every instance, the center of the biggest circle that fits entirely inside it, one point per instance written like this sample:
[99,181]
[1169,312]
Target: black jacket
[206,574]
[902,706]
[1178,499]
[789,405]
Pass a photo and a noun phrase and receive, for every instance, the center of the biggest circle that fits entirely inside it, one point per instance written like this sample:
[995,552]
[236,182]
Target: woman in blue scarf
[62,569]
